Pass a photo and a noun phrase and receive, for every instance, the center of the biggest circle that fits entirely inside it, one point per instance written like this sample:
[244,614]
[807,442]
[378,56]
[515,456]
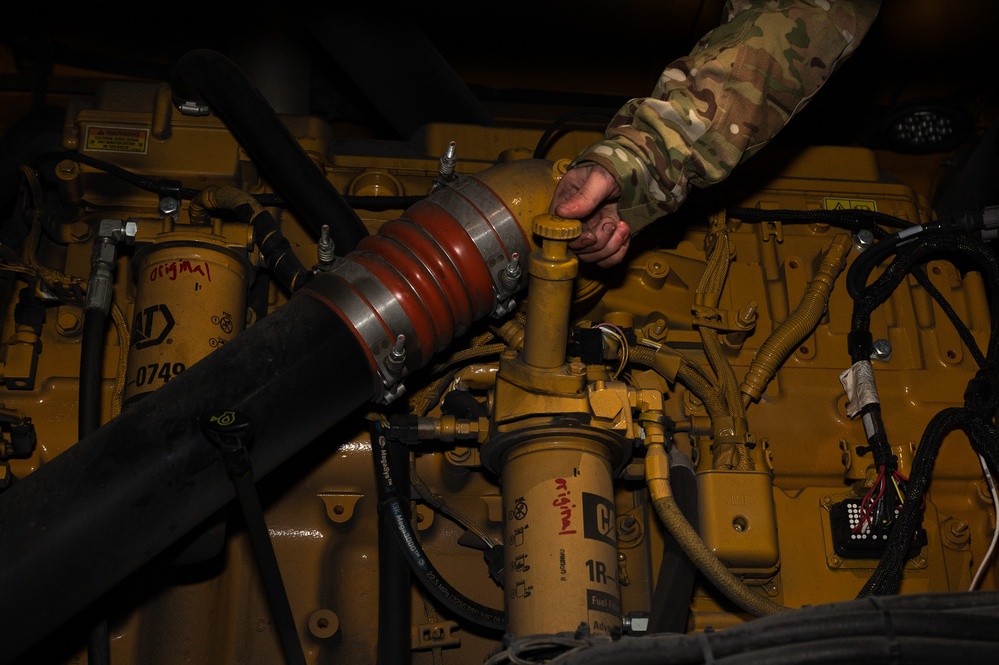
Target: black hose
[426,574]
[559,124]
[883,626]
[274,247]
[393,571]
[187,193]
[203,74]
[854,219]
[149,476]
[89,420]
[91,371]
[677,573]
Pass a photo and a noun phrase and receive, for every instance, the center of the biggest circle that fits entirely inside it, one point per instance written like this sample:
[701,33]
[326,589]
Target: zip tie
[893,648]
[702,639]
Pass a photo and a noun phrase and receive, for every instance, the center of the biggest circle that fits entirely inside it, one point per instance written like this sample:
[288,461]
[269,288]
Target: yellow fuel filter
[190,299]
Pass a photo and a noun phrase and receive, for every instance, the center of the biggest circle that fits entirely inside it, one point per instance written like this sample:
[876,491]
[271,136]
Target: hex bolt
[68,324]
[863,239]
[79,231]
[169,206]
[881,350]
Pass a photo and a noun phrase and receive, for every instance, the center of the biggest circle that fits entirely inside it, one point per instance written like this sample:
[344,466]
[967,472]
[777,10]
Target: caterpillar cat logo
[151,326]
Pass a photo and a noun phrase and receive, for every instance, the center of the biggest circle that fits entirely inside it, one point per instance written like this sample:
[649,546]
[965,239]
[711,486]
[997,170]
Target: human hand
[589,193]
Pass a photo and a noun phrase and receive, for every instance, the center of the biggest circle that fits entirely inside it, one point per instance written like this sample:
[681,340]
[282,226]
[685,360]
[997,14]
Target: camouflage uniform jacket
[718,106]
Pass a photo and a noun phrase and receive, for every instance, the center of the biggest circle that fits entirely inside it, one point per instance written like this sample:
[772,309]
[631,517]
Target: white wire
[995,532]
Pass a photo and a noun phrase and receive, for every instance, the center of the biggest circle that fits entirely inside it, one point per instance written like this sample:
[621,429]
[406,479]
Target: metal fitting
[325,250]
[191,107]
[100,286]
[636,623]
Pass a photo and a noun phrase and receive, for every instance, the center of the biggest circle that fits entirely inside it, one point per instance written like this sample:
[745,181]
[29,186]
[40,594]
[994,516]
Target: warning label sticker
[850,204]
[117,139]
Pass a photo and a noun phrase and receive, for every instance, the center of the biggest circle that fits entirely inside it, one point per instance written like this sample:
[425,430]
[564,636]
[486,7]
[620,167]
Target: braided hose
[657,477]
[800,324]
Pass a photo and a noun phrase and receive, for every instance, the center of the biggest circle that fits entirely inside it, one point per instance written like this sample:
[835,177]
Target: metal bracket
[725,320]
[427,636]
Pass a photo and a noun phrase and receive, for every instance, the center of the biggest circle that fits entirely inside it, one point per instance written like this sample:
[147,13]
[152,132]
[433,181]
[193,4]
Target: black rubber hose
[91,371]
[677,573]
[393,570]
[948,618]
[97,512]
[277,252]
[89,420]
[426,574]
[203,74]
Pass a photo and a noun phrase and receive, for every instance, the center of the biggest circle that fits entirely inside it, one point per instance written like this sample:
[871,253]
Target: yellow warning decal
[850,204]
[117,139]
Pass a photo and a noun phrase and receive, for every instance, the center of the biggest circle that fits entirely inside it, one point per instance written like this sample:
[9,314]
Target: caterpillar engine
[273,394]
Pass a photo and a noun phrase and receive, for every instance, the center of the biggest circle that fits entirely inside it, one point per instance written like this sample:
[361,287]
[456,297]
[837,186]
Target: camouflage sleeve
[719,105]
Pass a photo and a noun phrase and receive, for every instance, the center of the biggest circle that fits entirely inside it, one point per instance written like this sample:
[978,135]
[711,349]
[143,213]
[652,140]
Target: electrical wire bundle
[885,496]
[912,246]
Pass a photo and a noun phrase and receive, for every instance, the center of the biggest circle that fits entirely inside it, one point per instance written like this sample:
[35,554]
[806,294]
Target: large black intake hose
[96,513]
[86,520]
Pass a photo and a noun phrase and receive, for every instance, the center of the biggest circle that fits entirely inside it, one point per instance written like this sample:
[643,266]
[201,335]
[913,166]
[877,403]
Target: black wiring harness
[911,246]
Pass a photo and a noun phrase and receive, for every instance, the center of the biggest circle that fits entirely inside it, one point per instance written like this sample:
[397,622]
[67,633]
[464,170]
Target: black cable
[559,123]
[187,193]
[231,432]
[394,574]
[853,218]
[388,500]
[962,329]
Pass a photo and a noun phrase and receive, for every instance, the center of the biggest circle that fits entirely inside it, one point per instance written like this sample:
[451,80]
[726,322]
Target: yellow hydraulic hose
[800,324]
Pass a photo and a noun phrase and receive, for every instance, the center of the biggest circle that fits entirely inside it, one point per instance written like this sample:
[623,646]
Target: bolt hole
[803,350]
[936,270]
[792,264]
[323,623]
[740,524]
[951,354]
[338,509]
